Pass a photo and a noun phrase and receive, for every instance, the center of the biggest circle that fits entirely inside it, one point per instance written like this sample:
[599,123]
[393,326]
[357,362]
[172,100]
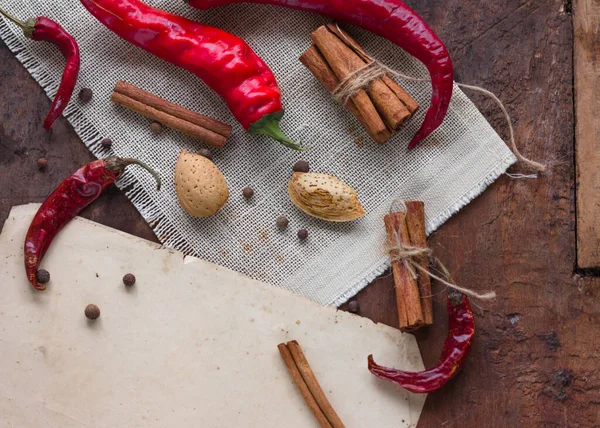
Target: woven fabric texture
[446,171]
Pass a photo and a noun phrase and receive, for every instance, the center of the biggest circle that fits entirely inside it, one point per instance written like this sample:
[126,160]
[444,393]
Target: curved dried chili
[74,194]
[44,29]
[456,348]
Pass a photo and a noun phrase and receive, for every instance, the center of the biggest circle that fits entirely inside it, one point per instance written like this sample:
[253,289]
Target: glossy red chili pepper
[225,62]
[44,29]
[398,23]
[66,201]
[460,334]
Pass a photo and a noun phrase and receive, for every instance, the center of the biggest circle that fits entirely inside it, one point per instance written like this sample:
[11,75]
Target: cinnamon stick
[404,97]
[316,64]
[301,385]
[343,61]
[408,298]
[173,109]
[195,125]
[415,221]
[313,384]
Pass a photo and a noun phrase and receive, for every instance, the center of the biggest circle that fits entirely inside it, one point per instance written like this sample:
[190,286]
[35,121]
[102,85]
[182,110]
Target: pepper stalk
[28,26]
[269,125]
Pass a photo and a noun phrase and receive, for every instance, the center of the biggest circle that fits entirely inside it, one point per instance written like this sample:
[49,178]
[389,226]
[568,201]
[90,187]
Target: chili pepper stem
[12,18]
[269,125]
[27,26]
[121,163]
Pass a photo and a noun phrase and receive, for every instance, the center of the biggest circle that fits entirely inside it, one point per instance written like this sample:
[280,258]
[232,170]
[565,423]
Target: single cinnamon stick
[301,385]
[406,99]
[408,298]
[313,384]
[343,61]
[209,137]
[316,64]
[415,221]
[172,108]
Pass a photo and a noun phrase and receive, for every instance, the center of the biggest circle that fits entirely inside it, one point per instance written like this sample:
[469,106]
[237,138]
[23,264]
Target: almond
[201,187]
[325,197]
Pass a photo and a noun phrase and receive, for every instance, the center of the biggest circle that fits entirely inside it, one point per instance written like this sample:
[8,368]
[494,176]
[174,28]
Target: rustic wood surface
[535,356]
[586,61]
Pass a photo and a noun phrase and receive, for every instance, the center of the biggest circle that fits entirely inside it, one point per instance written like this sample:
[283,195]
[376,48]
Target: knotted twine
[360,78]
[410,255]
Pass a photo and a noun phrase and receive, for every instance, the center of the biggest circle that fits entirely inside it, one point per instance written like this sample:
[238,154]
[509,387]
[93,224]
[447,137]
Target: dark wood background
[534,360]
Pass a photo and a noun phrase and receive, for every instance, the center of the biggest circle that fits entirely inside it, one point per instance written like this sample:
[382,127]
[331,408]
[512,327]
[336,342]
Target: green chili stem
[130,161]
[20,23]
[269,125]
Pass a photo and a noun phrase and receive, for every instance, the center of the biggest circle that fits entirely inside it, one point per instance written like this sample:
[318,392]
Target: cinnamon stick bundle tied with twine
[349,90]
[410,258]
[357,82]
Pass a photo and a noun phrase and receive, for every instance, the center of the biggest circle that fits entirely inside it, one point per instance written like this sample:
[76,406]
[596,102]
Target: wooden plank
[586,22]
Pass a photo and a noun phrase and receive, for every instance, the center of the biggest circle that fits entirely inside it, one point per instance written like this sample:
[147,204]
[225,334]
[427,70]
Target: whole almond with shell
[324,196]
[200,185]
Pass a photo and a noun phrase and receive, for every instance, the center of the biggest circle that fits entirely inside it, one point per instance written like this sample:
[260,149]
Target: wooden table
[534,360]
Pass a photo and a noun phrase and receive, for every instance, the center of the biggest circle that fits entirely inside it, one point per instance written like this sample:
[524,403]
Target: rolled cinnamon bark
[343,60]
[415,221]
[316,64]
[296,376]
[408,298]
[313,384]
[193,124]
[406,99]
[173,109]
[209,137]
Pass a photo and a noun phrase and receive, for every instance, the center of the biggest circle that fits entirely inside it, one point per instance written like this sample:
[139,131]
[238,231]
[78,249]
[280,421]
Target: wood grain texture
[535,354]
[586,24]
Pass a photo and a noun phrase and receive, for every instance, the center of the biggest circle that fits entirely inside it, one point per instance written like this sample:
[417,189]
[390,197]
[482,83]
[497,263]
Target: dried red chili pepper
[461,330]
[396,22]
[223,61]
[44,29]
[74,194]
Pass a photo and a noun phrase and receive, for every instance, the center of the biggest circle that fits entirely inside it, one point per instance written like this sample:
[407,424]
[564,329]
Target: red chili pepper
[223,61]
[44,29]
[66,201]
[398,23]
[460,334]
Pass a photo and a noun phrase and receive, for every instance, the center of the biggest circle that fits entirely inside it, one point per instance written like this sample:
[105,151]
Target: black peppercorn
[43,276]
[248,192]
[206,153]
[282,222]
[353,306]
[156,128]
[303,234]
[42,163]
[92,312]
[129,279]
[85,95]
[301,166]
[106,143]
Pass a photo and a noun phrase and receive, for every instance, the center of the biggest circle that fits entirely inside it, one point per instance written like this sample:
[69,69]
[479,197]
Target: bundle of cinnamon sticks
[382,107]
[413,295]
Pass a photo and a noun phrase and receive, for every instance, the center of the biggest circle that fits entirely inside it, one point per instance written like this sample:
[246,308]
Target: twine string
[373,70]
